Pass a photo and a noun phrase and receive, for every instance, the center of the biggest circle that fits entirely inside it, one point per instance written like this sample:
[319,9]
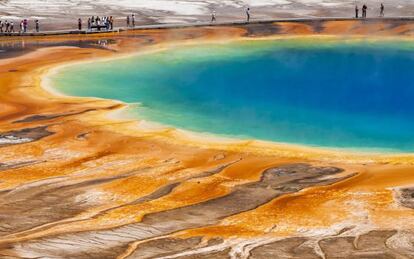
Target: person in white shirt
[213,16]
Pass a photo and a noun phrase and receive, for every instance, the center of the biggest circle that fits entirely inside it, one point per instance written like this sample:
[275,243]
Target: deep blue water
[345,94]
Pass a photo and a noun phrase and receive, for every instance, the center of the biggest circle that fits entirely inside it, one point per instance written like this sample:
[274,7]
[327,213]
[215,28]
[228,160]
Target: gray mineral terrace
[63,15]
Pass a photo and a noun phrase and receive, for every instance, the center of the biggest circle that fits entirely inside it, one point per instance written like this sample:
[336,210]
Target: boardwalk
[203,24]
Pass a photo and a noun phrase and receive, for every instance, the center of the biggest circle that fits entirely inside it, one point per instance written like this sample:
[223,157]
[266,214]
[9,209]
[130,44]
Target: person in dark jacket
[382,10]
[364,11]
[248,14]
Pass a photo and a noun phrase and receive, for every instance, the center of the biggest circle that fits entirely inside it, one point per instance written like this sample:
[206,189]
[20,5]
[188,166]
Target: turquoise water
[330,93]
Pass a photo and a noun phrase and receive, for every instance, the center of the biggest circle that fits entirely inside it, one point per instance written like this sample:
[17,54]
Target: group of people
[8,26]
[130,21]
[106,22]
[365,8]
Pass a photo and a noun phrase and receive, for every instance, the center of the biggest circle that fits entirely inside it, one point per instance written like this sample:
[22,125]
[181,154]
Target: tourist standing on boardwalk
[79,24]
[89,24]
[364,11]
[25,23]
[37,25]
[11,29]
[98,23]
[133,20]
[127,20]
[7,26]
[111,22]
[106,23]
[21,29]
[356,12]
[1,26]
[248,14]
[382,10]
[213,16]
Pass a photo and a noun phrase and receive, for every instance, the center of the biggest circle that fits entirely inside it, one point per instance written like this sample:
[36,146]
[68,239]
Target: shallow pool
[322,92]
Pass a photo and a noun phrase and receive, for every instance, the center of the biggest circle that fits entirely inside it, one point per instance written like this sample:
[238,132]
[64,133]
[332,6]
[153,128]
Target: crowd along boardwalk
[77,181]
[238,22]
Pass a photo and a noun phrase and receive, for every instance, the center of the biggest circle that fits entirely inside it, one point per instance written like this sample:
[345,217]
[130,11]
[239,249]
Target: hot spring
[356,94]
